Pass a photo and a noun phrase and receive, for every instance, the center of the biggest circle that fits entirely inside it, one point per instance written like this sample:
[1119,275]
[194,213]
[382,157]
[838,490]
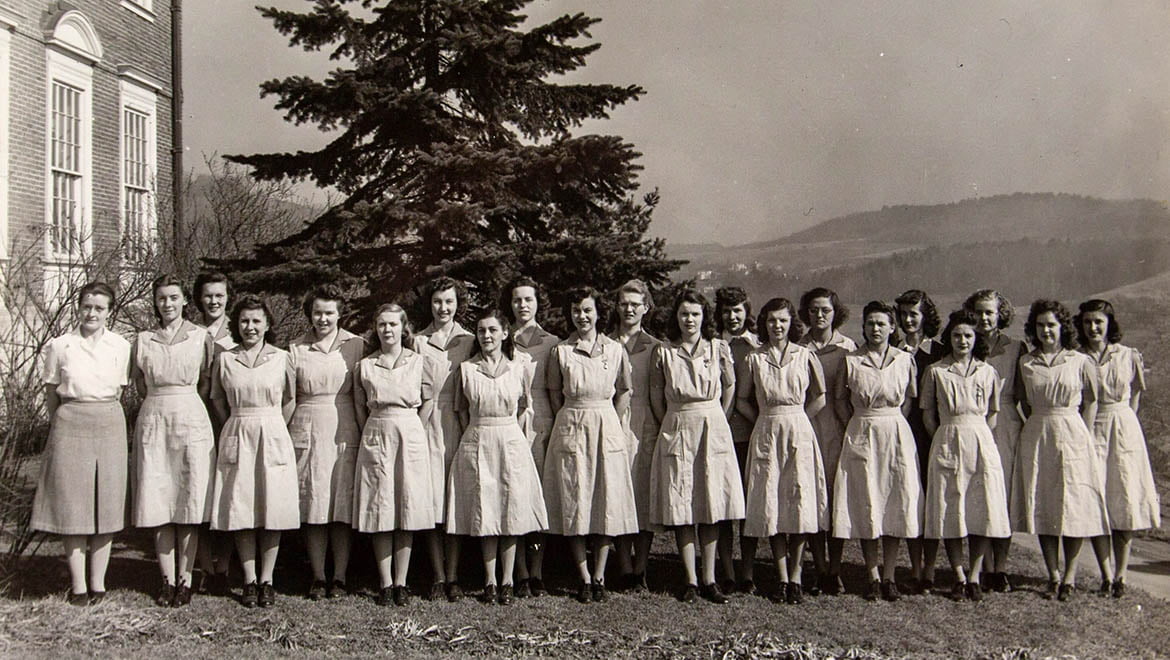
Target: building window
[144,8]
[65,149]
[139,167]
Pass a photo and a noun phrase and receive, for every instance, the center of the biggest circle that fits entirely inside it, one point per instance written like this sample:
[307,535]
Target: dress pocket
[229,449]
[278,451]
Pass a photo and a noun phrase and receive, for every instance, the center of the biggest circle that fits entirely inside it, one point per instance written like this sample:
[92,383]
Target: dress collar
[745,336]
[888,357]
[309,340]
[457,331]
[181,333]
[383,360]
[266,354]
[637,343]
[592,349]
[530,337]
[481,365]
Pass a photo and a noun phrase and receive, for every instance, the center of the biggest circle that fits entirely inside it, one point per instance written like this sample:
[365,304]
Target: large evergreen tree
[455,152]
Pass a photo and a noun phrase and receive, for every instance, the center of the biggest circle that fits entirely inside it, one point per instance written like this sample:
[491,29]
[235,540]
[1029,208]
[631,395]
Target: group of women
[506,433]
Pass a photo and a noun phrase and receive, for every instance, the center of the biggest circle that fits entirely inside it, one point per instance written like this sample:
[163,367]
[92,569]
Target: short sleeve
[217,391]
[926,394]
[552,375]
[1091,383]
[816,376]
[726,364]
[657,366]
[625,378]
[912,381]
[427,388]
[52,371]
[993,395]
[1139,371]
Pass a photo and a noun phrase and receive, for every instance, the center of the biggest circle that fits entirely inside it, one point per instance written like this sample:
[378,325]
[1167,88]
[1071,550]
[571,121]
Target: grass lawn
[38,622]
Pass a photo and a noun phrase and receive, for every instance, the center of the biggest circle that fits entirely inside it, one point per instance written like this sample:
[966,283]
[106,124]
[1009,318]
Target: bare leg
[869,551]
[186,547]
[403,544]
[817,547]
[577,549]
[164,548]
[1122,542]
[246,549]
[1102,548]
[625,545]
[779,556]
[435,551]
[747,547]
[75,556]
[1050,549]
[709,542]
[836,549]
[383,543]
[1000,548]
[1072,550]
[451,548]
[339,536]
[642,551]
[601,546]
[954,549]
[977,547]
[889,557]
[929,558]
[684,538]
[507,551]
[725,542]
[795,554]
[317,543]
[521,563]
[536,556]
[490,546]
[914,549]
[269,548]
[100,546]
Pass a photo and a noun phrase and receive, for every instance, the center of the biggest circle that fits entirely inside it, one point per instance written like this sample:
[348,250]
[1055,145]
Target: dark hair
[407,327]
[930,319]
[209,277]
[443,283]
[706,330]
[168,279]
[1112,328]
[96,288]
[507,347]
[579,293]
[774,305]
[840,312]
[981,349]
[325,293]
[1003,306]
[1068,334]
[249,302]
[505,303]
[730,296]
[881,307]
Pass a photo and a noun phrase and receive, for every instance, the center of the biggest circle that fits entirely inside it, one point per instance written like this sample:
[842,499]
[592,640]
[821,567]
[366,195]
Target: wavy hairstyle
[882,307]
[407,327]
[168,279]
[250,302]
[1068,333]
[706,330]
[508,347]
[730,296]
[443,283]
[579,293]
[1004,309]
[209,277]
[930,318]
[981,349]
[795,329]
[1112,328]
[840,312]
[325,293]
[505,299]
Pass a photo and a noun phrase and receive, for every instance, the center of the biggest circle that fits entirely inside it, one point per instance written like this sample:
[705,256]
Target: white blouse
[85,370]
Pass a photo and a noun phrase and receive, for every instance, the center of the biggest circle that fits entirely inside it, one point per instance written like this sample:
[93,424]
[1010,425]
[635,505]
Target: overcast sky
[763,117]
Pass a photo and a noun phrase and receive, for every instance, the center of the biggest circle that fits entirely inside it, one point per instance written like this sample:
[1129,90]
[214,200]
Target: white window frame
[141,100]
[5,102]
[143,8]
[78,75]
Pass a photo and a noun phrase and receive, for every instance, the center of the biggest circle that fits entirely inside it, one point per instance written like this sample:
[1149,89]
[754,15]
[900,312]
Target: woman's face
[632,307]
[1095,326]
[584,313]
[820,313]
[169,301]
[444,304]
[690,318]
[987,312]
[92,312]
[214,298]
[524,304]
[734,318]
[962,340]
[490,333]
[877,328]
[1048,330]
[253,326]
[779,322]
[324,315]
[388,326]
[910,317]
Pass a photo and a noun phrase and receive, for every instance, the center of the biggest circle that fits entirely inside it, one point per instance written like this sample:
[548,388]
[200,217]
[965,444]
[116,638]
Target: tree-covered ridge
[454,148]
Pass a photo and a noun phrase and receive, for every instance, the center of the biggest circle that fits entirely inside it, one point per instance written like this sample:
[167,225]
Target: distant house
[85,133]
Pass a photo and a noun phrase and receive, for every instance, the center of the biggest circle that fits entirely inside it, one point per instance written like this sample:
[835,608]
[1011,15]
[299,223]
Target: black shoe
[795,595]
[505,597]
[1052,589]
[1066,593]
[890,591]
[182,595]
[1005,585]
[489,594]
[832,585]
[437,591]
[585,593]
[385,596]
[780,595]
[814,587]
[688,593]
[78,599]
[454,593]
[748,587]
[874,591]
[959,591]
[267,596]
[95,597]
[638,583]
[1106,588]
[600,593]
[401,595]
[251,595]
[317,590]
[974,592]
[522,590]
[1118,588]
[925,586]
[165,595]
[713,593]
[337,589]
[536,586]
[727,586]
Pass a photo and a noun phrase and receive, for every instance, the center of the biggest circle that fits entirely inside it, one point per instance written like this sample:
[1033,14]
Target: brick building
[85,132]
